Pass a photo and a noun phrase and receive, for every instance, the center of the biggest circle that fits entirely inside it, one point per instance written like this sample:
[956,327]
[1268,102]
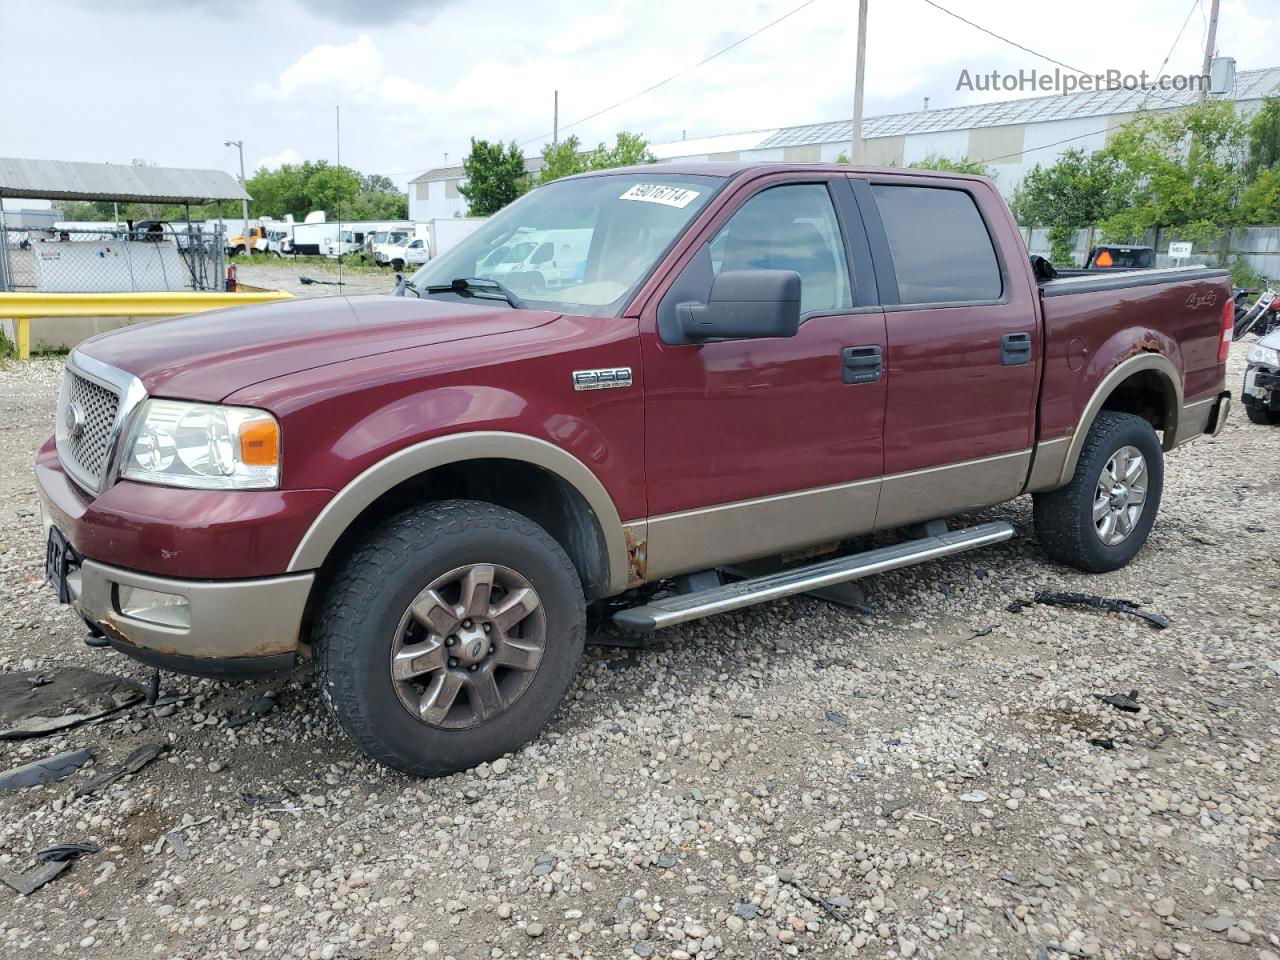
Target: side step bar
[733,596]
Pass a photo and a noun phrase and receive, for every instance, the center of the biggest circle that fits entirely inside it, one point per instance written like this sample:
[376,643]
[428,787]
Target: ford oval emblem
[74,420]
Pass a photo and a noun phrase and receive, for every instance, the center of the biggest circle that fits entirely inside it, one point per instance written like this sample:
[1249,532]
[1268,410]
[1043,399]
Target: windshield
[579,246]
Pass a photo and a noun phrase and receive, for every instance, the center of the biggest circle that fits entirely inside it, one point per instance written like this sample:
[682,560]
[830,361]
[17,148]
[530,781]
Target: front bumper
[219,627]
[217,557]
[1261,387]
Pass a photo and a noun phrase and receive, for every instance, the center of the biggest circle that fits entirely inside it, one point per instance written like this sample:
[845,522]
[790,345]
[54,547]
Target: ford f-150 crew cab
[425,493]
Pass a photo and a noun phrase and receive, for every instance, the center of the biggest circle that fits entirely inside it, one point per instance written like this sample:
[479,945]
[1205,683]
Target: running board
[733,596]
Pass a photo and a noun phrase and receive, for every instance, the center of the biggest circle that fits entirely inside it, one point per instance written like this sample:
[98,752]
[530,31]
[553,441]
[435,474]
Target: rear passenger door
[964,349]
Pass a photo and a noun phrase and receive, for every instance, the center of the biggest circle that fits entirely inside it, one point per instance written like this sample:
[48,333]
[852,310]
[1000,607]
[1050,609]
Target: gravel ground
[933,778]
[281,274]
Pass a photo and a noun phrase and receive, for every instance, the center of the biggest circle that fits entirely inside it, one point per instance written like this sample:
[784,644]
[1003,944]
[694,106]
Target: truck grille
[94,408]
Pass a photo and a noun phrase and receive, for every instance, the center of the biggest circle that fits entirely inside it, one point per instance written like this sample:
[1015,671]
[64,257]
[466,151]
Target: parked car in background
[757,362]
[1261,393]
[380,241]
[1117,257]
[407,252]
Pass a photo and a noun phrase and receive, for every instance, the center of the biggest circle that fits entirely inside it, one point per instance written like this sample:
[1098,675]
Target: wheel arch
[1147,385]
[531,476]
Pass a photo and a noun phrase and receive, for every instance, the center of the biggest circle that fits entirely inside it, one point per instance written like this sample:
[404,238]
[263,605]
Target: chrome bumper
[197,626]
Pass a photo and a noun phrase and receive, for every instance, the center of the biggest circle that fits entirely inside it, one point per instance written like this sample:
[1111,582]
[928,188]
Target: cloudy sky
[169,80]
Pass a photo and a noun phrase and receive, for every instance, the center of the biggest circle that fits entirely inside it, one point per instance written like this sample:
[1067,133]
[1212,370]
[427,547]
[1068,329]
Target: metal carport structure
[120,183]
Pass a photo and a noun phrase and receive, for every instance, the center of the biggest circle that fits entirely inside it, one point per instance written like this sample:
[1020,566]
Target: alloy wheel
[468,646]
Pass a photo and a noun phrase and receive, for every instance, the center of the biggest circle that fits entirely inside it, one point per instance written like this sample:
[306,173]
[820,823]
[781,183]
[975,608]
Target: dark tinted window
[941,249]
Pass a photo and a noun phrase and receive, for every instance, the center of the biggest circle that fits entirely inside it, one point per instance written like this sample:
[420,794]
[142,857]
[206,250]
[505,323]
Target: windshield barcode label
[658,193]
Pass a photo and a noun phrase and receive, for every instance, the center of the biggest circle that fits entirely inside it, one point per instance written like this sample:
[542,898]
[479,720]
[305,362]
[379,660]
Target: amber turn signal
[260,443]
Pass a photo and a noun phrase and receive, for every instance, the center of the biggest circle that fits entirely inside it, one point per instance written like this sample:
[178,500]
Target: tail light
[1228,328]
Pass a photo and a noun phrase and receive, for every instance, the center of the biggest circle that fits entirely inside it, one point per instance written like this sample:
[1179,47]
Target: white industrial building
[1010,136]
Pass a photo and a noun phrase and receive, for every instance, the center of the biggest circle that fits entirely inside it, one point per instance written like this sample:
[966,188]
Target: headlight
[1266,356]
[203,446]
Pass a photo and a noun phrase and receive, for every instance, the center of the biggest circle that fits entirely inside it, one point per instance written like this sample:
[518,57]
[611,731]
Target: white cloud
[354,66]
[586,34]
[275,161]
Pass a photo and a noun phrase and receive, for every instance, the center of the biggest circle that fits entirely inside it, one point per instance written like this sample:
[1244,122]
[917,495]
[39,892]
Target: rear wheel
[398,265]
[450,636]
[1099,520]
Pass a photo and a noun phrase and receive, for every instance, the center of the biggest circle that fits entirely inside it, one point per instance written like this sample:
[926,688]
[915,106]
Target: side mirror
[745,305]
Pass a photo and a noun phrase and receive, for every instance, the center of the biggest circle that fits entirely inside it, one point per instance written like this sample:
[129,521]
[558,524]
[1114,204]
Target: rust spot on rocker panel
[637,558]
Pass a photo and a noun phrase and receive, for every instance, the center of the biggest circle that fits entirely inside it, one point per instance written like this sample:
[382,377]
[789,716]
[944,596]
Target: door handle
[1015,349]
[861,364]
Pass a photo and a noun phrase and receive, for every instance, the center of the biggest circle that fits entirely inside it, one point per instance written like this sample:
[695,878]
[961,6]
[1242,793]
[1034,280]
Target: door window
[791,227]
[941,250]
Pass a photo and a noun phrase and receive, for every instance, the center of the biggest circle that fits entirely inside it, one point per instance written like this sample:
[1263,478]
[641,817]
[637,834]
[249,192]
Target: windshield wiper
[463,284]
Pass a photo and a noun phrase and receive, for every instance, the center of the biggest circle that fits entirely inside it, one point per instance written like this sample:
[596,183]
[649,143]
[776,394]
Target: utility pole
[1209,41]
[244,204]
[555,119]
[855,147]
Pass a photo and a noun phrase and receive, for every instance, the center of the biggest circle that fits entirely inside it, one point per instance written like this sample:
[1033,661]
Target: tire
[398,265]
[1065,518]
[369,616]
[1262,415]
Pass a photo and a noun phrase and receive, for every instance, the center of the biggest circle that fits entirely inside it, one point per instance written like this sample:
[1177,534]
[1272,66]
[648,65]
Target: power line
[992,33]
[675,76]
[1045,56]
[1165,62]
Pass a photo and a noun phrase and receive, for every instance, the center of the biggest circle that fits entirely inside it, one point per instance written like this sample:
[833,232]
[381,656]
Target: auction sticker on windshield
[659,193]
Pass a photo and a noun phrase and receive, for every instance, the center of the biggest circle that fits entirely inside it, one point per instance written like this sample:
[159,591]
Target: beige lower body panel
[734,532]
[955,488]
[1047,462]
[1193,420]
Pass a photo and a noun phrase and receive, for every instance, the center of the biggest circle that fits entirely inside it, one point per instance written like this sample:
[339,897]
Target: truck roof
[735,168]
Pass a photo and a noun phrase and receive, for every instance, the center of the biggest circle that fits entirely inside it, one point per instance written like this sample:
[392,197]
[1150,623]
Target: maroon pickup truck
[706,364]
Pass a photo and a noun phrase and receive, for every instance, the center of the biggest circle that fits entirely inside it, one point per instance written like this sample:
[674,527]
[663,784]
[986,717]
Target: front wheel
[449,636]
[1099,520]
[1262,415]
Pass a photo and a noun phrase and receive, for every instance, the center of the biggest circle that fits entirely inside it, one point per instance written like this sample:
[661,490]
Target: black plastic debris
[1090,601]
[1105,743]
[29,881]
[37,704]
[1127,703]
[45,771]
[66,851]
[134,762]
[257,708]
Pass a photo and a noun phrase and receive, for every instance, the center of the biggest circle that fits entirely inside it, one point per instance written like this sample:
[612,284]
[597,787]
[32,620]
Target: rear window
[941,250]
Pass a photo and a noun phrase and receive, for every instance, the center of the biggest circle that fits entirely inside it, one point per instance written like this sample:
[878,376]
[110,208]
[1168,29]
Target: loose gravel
[934,777]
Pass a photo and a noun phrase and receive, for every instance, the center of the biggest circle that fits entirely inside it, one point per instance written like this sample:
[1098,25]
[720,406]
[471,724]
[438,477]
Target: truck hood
[208,356]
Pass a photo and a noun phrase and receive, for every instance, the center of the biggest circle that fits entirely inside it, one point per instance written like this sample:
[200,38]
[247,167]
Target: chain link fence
[112,259]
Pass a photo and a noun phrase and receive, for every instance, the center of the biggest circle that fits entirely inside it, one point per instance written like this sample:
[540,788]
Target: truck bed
[1093,281]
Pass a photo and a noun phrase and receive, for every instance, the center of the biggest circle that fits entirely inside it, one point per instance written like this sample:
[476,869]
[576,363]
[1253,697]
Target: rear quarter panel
[1087,335]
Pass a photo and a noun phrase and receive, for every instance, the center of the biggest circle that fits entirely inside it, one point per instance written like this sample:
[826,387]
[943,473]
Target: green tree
[1260,200]
[1186,169]
[629,149]
[566,158]
[937,161]
[1079,190]
[562,159]
[332,188]
[495,176]
[376,183]
[1264,138]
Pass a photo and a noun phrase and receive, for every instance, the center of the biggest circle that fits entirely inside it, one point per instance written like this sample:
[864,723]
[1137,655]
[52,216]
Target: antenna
[337,134]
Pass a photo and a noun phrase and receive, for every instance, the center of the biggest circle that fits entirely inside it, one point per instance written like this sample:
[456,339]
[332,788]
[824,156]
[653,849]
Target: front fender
[413,460]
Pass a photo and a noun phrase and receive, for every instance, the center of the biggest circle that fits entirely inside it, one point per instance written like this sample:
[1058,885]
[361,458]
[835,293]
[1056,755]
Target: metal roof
[123,183]
[1250,85]
[531,165]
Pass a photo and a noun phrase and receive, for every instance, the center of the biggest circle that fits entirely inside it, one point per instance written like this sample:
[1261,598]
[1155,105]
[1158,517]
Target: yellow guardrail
[25,307]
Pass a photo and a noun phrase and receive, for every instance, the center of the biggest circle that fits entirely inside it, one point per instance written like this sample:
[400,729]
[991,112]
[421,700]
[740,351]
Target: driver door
[755,447]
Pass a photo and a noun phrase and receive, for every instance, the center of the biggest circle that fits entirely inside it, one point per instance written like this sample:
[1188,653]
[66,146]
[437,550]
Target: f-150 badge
[605,379]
